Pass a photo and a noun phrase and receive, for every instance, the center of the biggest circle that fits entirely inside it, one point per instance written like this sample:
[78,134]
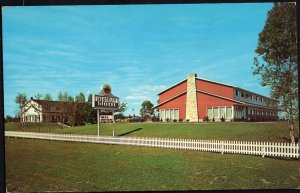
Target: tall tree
[90,97]
[70,99]
[20,99]
[80,97]
[60,96]
[122,107]
[38,96]
[146,108]
[276,63]
[48,97]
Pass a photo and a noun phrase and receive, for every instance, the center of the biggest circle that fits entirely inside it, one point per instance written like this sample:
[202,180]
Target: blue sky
[139,50]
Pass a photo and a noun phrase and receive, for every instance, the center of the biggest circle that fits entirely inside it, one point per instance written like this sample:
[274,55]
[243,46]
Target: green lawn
[247,131]
[40,165]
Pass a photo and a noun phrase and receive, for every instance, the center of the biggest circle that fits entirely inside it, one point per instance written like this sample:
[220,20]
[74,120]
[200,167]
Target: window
[162,114]
[242,94]
[176,114]
[256,98]
[261,99]
[216,112]
[228,112]
[168,113]
[209,113]
[237,93]
[222,112]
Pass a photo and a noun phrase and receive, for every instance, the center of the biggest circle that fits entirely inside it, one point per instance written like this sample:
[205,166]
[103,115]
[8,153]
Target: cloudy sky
[139,50]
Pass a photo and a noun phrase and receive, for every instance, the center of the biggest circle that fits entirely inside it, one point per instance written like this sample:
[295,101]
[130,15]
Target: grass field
[246,131]
[40,165]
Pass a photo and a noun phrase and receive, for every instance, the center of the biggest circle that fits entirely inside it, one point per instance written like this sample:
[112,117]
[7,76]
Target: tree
[119,116]
[38,96]
[122,107]
[276,62]
[70,99]
[80,97]
[146,108]
[8,118]
[90,97]
[21,99]
[63,97]
[48,97]
[81,109]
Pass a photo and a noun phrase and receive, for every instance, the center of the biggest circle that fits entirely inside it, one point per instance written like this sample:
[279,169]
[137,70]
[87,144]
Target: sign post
[98,120]
[105,102]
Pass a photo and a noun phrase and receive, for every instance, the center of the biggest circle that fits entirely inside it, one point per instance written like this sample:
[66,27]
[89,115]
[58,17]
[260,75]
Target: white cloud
[135,97]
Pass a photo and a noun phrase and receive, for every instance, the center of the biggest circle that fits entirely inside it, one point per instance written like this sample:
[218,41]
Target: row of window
[169,114]
[33,118]
[219,112]
[260,112]
[226,112]
[253,97]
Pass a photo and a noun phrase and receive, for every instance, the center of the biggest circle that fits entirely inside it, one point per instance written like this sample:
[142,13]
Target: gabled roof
[172,86]
[164,102]
[29,108]
[228,85]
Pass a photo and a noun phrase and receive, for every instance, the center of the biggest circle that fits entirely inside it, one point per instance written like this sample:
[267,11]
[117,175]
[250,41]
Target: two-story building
[51,111]
[196,99]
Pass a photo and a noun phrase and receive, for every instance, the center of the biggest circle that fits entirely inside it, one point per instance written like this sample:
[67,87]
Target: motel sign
[105,102]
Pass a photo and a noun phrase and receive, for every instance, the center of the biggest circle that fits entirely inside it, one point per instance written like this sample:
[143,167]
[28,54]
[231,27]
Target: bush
[174,120]
[187,120]
[136,119]
[206,118]
[155,119]
[222,119]
[213,119]
[167,119]
[180,120]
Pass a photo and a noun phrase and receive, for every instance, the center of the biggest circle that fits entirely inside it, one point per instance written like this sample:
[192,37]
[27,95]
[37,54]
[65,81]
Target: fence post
[263,149]
[222,146]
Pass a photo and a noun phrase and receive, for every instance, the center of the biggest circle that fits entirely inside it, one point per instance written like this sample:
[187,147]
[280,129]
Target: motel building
[195,99]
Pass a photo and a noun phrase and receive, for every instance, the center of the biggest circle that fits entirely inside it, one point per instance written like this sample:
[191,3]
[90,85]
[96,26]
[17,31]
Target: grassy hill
[246,131]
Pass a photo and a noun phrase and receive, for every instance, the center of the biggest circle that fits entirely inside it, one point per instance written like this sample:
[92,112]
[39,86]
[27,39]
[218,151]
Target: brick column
[191,99]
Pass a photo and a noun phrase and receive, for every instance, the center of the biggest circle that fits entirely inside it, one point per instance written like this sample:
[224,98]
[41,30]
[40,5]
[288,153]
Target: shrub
[174,120]
[187,120]
[205,118]
[155,119]
[167,119]
[180,120]
[222,119]
[213,119]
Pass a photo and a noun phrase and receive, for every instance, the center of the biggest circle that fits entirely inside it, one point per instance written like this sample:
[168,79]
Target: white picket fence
[272,149]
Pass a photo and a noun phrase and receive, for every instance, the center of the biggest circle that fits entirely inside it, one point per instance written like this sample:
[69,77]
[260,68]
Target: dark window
[237,93]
